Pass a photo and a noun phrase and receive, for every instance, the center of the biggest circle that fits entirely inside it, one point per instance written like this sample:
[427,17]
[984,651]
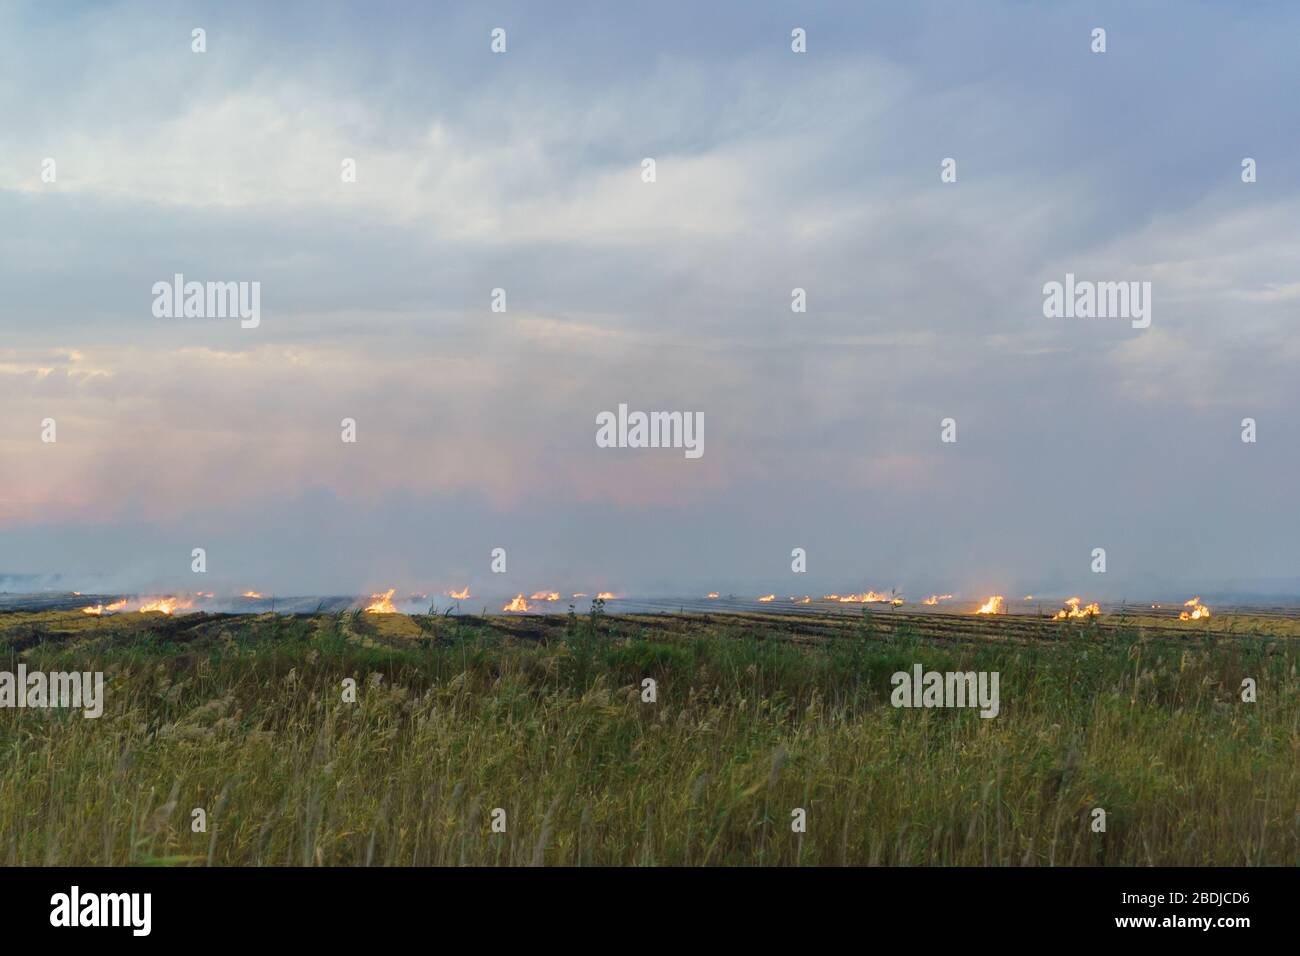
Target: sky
[774,170]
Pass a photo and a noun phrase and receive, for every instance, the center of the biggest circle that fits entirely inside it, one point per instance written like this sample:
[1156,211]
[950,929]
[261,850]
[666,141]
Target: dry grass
[455,717]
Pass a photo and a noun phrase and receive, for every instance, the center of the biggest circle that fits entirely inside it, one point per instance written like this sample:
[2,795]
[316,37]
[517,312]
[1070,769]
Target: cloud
[523,172]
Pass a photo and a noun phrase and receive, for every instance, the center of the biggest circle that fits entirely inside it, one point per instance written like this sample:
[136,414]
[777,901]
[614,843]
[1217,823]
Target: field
[754,716]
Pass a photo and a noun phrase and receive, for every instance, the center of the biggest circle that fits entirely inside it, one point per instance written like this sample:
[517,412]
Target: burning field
[546,601]
[371,736]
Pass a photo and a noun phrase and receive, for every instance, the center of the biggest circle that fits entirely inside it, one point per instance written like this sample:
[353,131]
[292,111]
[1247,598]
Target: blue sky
[775,170]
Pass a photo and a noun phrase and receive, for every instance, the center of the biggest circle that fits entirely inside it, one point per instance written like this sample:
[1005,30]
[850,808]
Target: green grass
[244,717]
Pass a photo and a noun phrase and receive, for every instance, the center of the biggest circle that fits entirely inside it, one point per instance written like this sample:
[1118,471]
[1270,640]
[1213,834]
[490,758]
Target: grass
[244,717]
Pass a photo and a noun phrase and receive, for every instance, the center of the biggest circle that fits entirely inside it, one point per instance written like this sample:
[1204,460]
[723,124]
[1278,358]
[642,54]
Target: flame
[605,596]
[579,594]
[994,605]
[1198,611]
[460,595]
[382,603]
[167,605]
[252,594]
[101,608]
[711,594]
[545,596]
[867,597]
[518,604]
[896,601]
[803,600]
[830,597]
[1029,597]
[934,599]
[765,599]
[1072,609]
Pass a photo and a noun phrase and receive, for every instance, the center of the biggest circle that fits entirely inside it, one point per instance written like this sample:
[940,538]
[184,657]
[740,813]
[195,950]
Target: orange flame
[711,594]
[994,605]
[766,598]
[867,597]
[102,608]
[1072,609]
[167,605]
[382,603]
[803,600]
[605,596]
[460,595]
[252,594]
[545,596]
[518,604]
[934,599]
[1198,611]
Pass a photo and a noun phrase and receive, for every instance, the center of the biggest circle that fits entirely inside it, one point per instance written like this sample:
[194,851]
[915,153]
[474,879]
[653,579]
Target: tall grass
[247,721]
